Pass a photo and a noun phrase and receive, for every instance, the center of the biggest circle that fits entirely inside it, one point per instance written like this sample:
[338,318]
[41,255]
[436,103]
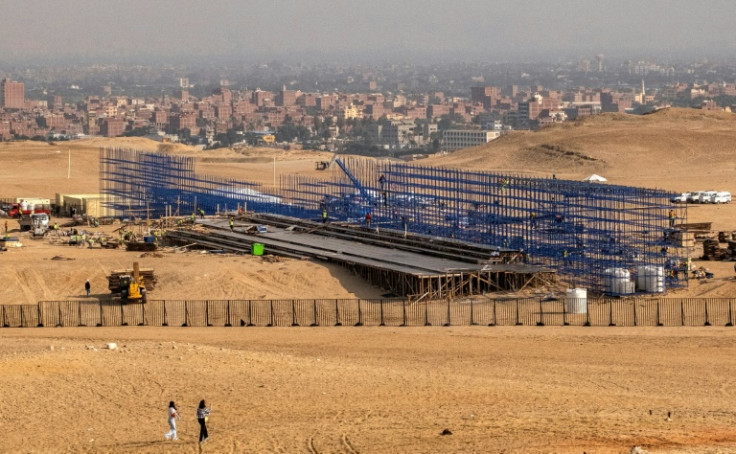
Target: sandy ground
[44,270]
[370,390]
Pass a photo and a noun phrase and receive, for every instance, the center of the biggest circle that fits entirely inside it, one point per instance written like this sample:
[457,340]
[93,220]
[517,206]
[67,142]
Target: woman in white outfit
[173,416]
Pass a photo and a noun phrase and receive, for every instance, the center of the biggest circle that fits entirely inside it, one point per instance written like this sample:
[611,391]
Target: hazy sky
[366,30]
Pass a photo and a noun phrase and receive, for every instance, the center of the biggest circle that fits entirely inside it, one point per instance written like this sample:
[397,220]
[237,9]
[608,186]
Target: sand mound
[671,148]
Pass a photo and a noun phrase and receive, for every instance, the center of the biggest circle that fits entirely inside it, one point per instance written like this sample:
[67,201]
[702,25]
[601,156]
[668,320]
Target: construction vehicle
[131,286]
[37,223]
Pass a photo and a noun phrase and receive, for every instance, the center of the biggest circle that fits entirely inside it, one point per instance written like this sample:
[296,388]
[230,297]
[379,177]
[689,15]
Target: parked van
[707,196]
[681,198]
[722,197]
[694,197]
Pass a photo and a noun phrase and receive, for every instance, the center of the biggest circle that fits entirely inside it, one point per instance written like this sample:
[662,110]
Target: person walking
[324,215]
[672,218]
[368,220]
[202,412]
[232,224]
[173,416]
[87,286]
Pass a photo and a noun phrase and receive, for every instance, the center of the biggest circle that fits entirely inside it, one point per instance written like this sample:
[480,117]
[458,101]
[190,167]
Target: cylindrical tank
[650,278]
[576,300]
[655,279]
[617,281]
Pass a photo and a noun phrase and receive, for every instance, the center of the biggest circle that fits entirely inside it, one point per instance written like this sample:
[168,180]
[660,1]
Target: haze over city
[378,30]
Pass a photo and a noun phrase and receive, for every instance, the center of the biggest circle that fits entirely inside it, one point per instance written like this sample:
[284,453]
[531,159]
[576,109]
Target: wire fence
[374,312]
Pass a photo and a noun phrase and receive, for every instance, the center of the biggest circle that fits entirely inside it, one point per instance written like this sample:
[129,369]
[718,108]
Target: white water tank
[650,278]
[617,281]
[576,300]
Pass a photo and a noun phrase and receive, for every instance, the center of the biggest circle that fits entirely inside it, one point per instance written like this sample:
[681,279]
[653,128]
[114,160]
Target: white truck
[722,197]
[37,223]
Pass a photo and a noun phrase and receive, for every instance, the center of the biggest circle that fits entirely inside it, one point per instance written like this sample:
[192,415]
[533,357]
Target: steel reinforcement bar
[376,312]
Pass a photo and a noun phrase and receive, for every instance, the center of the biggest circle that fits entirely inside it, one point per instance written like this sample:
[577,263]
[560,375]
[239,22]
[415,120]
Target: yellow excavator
[133,288]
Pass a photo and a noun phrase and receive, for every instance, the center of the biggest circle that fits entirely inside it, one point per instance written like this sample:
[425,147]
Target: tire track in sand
[310,445]
[347,444]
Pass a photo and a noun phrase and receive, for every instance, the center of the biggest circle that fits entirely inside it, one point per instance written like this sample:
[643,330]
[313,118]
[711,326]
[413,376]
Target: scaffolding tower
[593,233]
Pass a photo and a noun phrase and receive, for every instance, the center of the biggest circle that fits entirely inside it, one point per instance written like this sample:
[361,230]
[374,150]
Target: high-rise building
[286,98]
[12,94]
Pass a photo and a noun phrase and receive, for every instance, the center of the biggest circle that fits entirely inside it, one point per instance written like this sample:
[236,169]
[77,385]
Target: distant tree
[137,132]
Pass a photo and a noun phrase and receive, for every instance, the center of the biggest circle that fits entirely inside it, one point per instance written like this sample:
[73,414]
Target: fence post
[634,313]
[426,314]
[250,313]
[22,324]
[314,313]
[60,323]
[143,320]
[472,315]
[587,312]
[270,323]
[207,313]
[403,312]
[518,320]
[659,323]
[493,323]
[707,320]
[382,323]
[448,314]
[337,314]
[610,313]
[564,314]
[122,315]
[5,323]
[541,314]
[186,314]
[293,314]
[730,314]
[227,319]
[682,312]
[165,322]
[40,320]
[360,316]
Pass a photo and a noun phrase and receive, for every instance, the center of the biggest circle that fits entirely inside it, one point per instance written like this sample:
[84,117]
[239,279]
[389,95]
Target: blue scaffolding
[589,232]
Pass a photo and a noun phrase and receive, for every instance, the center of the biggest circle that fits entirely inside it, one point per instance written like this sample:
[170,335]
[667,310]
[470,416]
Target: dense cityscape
[363,109]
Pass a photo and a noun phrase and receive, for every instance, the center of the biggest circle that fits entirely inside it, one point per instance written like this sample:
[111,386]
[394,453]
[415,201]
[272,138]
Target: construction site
[418,232]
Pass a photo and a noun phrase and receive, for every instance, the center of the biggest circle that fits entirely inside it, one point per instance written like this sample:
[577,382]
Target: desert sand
[370,390]
[511,389]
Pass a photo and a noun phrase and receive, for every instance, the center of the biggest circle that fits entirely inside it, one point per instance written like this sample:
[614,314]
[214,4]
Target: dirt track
[513,390]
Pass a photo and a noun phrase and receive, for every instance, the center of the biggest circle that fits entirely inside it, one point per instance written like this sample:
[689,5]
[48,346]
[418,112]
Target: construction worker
[232,224]
[192,217]
[532,219]
[672,218]
[368,220]
[201,213]
[324,215]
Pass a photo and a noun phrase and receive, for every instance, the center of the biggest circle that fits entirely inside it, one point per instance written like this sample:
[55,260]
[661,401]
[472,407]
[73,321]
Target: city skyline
[371,31]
